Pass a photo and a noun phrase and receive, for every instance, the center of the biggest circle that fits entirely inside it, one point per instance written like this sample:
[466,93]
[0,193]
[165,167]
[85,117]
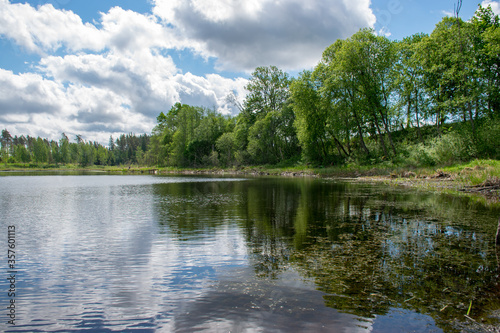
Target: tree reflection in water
[369,249]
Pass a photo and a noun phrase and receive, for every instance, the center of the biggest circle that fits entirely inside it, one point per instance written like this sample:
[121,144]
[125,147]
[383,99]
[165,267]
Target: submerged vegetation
[427,101]
[369,249]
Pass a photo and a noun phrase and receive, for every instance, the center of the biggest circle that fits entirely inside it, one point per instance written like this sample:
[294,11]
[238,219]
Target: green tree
[409,82]
[55,152]
[101,157]
[266,118]
[268,91]
[86,153]
[203,144]
[183,121]
[6,142]
[21,154]
[226,145]
[40,151]
[369,60]
[450,71]
[64,149]
[310,118]
[486,42]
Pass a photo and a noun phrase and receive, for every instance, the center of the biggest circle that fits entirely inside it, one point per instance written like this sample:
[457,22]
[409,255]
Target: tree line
[424,100]
[126,149]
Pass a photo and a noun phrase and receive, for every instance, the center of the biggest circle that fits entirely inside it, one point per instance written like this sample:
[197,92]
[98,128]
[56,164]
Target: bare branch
[231,99]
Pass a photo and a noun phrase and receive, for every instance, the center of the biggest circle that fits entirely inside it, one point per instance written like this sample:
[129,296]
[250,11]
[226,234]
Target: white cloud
[151,83]
[33,105]
[27,94]
[384,31]
[140,77]
[125,81]
[110,94]
[242,35]
[210,91]
[46,28]
[448,13]
[126,31]
[495,5]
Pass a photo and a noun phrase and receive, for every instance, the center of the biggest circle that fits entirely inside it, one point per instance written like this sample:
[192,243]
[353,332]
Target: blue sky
[101,68]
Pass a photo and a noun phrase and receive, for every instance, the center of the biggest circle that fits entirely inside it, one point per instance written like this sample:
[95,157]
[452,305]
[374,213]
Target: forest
[423,101]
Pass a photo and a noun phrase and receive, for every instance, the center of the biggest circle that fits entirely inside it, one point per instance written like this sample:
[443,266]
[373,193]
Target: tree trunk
[360,132]
[340,146]
[471,119]
[323,148]
[382,141]
[418,123]
[408,115]
[386,125]
[497,242]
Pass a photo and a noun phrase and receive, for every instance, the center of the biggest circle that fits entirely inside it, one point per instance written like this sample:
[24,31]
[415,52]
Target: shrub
[420,155]
[453,147]
[489,139]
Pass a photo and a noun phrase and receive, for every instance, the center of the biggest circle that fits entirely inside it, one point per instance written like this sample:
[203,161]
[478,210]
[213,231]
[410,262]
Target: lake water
[117,253]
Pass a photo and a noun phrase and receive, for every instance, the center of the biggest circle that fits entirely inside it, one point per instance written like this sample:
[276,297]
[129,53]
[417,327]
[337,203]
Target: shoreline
[479,177]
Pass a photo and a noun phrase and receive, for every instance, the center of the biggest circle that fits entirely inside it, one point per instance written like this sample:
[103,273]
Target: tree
[369,59]
[21,154]
[101,157]
[182,120]
[341,97]
[486,43]
[86,153]
[310,118]
[40,151]
[268,91]
[64,149]
[6,139]
[409,81]
[450,72]
[55,152]
[203,144]
[225,144]
[265,119]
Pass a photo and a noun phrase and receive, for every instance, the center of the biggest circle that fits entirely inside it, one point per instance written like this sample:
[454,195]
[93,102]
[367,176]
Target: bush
[214,158]
[489,139]
[420,155]
[453,147]
[242,157]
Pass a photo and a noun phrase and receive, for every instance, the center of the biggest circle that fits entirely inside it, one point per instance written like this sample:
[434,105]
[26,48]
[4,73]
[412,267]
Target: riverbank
[480,177]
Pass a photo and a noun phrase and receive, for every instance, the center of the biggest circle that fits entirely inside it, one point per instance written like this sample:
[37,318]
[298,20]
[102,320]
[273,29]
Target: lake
[123,253]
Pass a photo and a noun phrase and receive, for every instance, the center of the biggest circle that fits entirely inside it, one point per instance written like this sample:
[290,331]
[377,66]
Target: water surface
[115,253]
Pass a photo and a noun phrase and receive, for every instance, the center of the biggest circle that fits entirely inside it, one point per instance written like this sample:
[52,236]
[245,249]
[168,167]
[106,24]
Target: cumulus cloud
[243,35]
[114,76]
[151,83]
[495,5]
[27,94]
[210,91]
[46,28]
[33,105]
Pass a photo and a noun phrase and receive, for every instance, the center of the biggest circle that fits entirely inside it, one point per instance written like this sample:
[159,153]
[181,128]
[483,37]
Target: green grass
[475,172]
[471,173]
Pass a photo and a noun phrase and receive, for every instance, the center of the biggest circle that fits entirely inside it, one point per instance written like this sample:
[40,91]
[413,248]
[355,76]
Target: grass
[471,173]
[475,172]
